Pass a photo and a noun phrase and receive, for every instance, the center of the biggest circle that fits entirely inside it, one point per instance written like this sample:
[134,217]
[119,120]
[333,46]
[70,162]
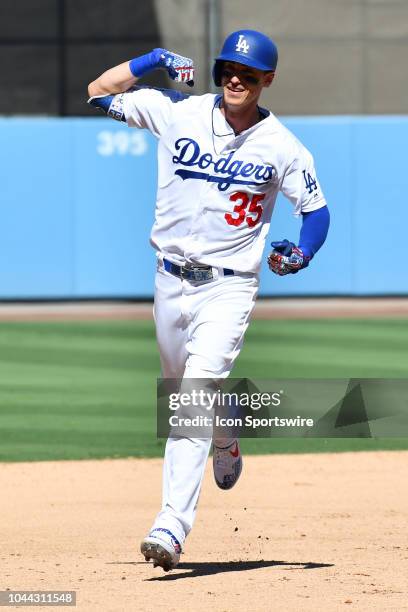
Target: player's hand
[179,68]
[287,258]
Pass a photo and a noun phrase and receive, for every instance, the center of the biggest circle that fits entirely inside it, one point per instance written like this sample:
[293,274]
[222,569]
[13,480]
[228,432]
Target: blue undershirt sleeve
[102,102]
[110,104]
[314,230]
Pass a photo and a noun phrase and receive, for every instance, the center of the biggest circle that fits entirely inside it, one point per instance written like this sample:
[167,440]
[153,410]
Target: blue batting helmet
[247,47]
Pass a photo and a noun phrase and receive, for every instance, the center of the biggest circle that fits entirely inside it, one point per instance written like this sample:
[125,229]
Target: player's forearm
[124,76]
[314,230]
[113,81]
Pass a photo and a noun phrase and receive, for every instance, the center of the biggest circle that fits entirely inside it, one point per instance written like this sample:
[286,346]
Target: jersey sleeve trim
[110,104]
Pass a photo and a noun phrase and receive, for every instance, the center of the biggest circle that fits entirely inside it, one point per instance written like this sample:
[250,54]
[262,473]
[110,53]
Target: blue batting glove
[287,258]
[284,247]
[179,68]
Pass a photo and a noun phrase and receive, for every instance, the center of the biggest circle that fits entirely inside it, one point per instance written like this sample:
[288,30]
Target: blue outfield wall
[77,204]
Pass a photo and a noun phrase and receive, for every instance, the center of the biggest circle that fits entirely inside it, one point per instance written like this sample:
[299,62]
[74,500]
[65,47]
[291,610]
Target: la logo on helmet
[242,44]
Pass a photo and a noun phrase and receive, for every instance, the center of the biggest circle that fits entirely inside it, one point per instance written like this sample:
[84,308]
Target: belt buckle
[199,273]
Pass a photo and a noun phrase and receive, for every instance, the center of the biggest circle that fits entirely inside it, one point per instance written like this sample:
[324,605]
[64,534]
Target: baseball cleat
[162,547]
[227,465]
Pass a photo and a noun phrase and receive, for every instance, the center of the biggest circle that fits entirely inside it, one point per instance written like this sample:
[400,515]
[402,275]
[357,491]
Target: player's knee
[216,371]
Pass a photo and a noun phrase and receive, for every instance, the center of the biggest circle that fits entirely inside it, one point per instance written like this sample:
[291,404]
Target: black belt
[193,272]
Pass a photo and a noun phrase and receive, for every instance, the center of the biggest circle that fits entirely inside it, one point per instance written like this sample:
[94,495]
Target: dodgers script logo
[190,156]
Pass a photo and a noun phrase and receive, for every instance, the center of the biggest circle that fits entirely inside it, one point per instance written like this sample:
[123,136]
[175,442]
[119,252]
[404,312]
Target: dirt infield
[290,308]
[298,533]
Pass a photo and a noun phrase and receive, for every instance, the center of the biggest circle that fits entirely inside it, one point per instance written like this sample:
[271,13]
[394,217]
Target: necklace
[212,122]
[260,117]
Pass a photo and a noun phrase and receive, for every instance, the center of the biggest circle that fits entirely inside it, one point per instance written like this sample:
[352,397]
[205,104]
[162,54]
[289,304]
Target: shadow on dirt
[211,568]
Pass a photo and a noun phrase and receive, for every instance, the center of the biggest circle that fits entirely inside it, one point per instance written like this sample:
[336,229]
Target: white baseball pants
[200,329]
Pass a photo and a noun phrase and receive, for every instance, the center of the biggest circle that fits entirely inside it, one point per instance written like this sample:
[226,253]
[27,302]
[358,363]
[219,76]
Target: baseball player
[222,160]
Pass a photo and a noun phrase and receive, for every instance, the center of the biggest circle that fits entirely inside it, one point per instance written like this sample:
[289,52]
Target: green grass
[81,390]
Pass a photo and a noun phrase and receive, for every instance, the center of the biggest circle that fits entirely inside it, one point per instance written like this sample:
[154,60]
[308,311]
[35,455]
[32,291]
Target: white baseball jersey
[217,190]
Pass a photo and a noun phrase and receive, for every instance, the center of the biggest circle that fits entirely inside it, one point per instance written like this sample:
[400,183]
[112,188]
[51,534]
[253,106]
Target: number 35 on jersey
[247,209]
